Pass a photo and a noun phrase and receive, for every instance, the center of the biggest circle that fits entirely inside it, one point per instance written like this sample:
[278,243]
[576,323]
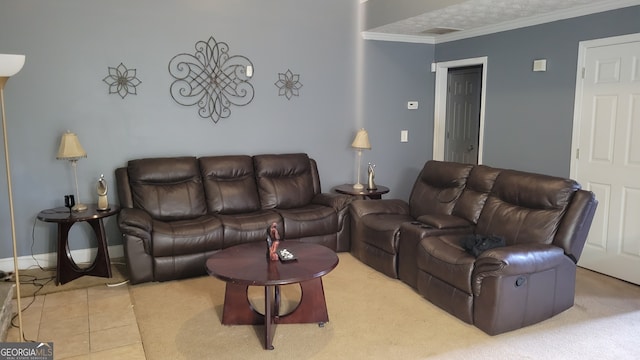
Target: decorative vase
[371,185]
[101,188]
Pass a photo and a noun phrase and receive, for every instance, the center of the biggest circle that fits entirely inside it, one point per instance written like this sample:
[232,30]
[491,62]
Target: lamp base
[358,186]
[79,208]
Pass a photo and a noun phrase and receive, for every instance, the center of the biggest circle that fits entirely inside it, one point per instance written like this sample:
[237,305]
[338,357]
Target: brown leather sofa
[177,211]
[543,219]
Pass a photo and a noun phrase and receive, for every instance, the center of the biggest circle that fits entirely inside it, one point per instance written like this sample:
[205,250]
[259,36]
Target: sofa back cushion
[284,181]
[229,184]
[479,185]
[167,188]
[526,208]
[438,187]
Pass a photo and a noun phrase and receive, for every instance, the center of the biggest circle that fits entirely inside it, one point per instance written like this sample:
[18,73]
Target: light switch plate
[412,105]
[404,136]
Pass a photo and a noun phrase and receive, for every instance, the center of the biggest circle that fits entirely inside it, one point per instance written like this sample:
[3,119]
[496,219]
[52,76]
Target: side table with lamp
[67,269]
[74,212]
[371,191]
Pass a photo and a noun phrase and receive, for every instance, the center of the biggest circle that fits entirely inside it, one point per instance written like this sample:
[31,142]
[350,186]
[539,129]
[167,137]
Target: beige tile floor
[91,323]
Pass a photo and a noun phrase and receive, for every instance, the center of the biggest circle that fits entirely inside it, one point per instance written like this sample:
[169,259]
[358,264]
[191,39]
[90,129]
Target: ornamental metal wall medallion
[288,84]
[122,81]
[211,79]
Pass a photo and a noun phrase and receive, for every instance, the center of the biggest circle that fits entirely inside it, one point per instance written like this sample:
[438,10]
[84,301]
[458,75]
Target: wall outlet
[412,105]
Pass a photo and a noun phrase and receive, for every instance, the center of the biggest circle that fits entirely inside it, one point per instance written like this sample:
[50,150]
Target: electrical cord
[40,283]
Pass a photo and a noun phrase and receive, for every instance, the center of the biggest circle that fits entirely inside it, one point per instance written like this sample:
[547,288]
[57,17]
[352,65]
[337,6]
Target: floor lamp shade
[360,142]
[10,65]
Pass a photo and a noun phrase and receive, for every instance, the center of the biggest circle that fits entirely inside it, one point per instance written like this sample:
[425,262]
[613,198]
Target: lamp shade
[361,140]
[10,64]
[70,147]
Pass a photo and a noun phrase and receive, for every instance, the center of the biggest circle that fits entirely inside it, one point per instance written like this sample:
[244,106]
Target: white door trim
[577,113]
[440,104]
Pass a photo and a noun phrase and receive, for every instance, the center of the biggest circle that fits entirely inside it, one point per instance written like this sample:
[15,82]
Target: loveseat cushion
[524,207]
[183,237]
[381,230]
[284,181]
[167,188]
[444,258]
[229,184]
[438,187]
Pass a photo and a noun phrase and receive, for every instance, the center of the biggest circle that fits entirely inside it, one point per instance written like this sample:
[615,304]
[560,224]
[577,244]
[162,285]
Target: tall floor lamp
[360,142]
[10,65]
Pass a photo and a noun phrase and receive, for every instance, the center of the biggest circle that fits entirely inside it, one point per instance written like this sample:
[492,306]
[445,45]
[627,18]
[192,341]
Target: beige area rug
[43,281]
[375,317]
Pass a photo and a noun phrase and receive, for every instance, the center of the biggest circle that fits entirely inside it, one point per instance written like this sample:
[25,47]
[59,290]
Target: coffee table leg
[237,309]
[271,298]
[312,307]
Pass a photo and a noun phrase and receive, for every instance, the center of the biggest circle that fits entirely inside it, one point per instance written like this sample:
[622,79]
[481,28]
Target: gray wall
[529,115]
[348,83]
[69,45]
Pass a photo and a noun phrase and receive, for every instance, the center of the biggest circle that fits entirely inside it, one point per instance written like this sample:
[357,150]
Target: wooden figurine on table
[273,241]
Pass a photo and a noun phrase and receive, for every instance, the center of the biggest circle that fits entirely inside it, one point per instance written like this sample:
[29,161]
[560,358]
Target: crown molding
[504,26]
[370,35]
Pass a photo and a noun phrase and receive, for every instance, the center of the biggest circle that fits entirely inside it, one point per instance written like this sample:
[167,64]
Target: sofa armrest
[135,222]
[516,260]
[360,208]
[336,201]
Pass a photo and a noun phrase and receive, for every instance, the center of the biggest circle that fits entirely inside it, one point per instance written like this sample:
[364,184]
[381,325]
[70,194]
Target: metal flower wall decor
[288,84]
[122,81]
[211,79]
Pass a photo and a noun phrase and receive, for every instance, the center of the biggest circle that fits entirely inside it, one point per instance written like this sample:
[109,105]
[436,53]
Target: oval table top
[248,264]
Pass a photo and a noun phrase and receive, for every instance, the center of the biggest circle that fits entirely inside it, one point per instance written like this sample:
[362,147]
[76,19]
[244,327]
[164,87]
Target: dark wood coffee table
[247,265]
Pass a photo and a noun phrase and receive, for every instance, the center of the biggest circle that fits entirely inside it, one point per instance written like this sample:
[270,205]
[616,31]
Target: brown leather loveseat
[177,211]
[544,221]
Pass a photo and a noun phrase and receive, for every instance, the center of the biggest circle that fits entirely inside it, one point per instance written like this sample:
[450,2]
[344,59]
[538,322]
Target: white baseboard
[49,260]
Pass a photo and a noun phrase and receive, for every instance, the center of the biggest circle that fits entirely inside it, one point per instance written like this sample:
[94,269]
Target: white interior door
[606,142]
[463,115]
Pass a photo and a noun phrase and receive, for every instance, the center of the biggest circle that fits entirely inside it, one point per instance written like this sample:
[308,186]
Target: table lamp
[360,143]
[10,65]
[70,149]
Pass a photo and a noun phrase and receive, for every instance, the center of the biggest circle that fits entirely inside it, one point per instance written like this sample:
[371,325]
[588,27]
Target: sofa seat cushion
[444,258]
[183,237]
[243,228]
[381,230]
[309,220]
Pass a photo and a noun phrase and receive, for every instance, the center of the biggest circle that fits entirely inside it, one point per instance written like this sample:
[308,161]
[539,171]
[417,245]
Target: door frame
[583,46]
[440,104]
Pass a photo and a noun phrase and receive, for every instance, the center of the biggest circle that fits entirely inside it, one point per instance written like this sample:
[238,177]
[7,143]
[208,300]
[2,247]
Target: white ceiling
[478,17]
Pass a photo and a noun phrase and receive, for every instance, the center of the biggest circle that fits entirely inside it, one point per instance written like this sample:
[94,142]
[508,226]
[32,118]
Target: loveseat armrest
[360,208]
[520,285]
[444,221]
[516,260]
[336,201]
[135,222]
